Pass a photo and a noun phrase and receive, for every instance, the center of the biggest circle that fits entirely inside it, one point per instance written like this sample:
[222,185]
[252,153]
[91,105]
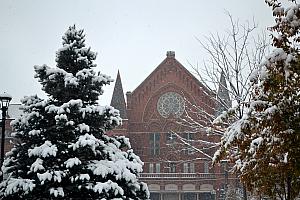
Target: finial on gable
[170,54]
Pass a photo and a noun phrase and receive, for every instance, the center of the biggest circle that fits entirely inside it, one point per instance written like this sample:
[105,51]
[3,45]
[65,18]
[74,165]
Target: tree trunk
[244,193]
[289,187]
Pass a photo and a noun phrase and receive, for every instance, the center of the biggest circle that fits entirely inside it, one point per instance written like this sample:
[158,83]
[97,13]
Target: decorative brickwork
[171,169]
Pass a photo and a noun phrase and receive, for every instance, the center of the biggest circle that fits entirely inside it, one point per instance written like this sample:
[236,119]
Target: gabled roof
[171,57]
[118,100]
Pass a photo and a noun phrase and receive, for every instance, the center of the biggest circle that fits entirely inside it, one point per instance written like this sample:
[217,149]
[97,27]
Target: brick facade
[171,170]
[14,111]
[8,130]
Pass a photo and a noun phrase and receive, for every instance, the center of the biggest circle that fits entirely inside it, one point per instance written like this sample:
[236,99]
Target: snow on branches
[262,144]
[61,149]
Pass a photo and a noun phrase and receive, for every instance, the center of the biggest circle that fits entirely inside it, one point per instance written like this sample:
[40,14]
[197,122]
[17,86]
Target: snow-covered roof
[6,96]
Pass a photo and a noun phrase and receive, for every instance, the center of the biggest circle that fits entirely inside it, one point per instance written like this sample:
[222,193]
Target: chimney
[170,54]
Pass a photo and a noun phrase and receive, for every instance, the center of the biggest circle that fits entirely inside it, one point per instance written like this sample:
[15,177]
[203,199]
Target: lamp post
[224,164]
[4,103]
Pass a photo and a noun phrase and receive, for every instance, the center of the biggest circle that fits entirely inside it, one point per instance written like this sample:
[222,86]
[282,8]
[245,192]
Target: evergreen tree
[61,150]
[264,144]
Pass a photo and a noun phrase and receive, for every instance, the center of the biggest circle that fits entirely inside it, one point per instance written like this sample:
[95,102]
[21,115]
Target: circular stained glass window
[170,104]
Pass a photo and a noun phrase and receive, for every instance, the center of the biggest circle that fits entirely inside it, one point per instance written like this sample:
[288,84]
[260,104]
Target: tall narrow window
[172,168]
[192,168]
[189,138]
[154,144]
[185,168]
[157,167]
[150,167]
[188,168]
[206,167]
[224,166]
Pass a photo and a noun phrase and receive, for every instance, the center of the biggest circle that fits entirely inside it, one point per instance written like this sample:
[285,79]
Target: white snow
[271,110]
[119,167]
[70,80]
[120,164]
[83,128]
[253,76]
[285,160]
[263,73]
[85,73]
[44,176]
[15,185]
[86,140]
[57,175]
[90,109]
[65,108]
[37,165]
[57,192]
[256,103]
[234,132]
[125,140]
[93,109]
[255,145]
[82,58]
[277,55]
[107,186]
[70,123]
[6,96]
[84,177]
[100,110]
[278,11]
[34,132]
[71,162]
[45,150]
[61,117]
[292,16]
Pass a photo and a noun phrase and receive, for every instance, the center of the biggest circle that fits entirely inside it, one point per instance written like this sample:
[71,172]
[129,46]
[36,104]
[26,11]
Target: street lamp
[224,164]
[4,103]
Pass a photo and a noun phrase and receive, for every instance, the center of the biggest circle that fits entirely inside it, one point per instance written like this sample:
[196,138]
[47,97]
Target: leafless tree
[233,57]
[236,56]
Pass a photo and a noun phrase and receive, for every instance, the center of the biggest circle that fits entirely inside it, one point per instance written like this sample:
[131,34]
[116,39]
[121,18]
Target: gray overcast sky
[132,36]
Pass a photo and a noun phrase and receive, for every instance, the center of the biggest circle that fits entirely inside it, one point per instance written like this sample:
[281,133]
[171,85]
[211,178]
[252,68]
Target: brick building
[14,111]
[173,170]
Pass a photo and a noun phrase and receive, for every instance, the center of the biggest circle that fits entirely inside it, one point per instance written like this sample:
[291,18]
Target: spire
[118,100]
[223,99]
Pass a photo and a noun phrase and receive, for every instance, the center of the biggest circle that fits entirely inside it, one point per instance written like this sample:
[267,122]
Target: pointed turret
[118,100]
[223,98]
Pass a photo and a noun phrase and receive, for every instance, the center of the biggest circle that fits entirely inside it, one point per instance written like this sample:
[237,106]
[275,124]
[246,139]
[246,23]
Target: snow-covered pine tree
[264,144]
[61,150]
